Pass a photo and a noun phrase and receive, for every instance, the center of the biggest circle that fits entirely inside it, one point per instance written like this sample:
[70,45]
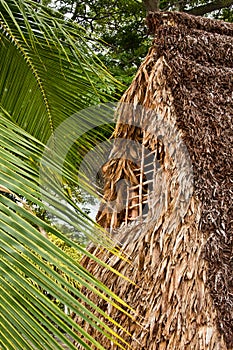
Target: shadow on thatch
[182,265]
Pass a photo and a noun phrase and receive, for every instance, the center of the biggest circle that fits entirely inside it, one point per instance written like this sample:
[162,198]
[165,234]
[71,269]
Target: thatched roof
[183,272]
[200,54]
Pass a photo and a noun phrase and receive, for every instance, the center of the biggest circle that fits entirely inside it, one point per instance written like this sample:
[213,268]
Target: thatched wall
[182,267]
[200,54]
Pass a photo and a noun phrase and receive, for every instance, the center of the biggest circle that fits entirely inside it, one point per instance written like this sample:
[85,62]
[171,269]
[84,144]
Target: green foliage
[70,251]
[49,63]
[48,71]
[119,25]
[226,15]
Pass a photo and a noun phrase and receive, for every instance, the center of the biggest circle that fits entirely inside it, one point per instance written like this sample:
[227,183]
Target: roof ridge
[157,19]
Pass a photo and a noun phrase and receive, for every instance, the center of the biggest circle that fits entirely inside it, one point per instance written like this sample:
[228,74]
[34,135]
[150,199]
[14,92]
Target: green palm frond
[47,72]
[48,68]
[25,251]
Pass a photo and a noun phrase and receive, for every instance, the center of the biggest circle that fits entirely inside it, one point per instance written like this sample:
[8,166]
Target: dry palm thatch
[179,259]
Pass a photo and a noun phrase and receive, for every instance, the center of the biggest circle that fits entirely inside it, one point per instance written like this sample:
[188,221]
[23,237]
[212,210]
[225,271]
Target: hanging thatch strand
[181,265]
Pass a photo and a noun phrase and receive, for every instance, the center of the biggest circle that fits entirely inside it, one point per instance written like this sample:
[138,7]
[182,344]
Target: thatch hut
[181,264]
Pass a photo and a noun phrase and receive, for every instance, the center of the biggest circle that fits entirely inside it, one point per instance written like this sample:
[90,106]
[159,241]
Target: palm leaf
[25,251]
[47,73]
